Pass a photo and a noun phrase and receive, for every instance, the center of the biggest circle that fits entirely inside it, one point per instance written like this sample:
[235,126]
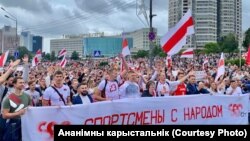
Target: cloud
[36,6]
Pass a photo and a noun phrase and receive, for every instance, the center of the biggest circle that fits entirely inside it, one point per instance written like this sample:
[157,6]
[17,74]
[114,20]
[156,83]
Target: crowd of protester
[87,81]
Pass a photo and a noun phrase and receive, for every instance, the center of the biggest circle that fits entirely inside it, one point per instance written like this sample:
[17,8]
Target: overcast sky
[53,18]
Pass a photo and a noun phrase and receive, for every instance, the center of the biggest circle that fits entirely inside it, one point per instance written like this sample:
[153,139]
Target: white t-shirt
[34,97]
[236,92]
[112,88]
[85,100]
[52,95]
[129,90]
[169,86]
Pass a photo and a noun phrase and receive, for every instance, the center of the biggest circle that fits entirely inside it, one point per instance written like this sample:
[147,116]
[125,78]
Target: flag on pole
[39,54]
[125,48]
[63,62]
[35,61]
[176,37]
[168,61]
[189,53]
[62,53]
[248,57]
[204,63]
[221,68]
[3,58]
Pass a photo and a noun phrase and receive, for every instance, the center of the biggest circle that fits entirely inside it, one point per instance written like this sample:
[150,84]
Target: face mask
[84,93]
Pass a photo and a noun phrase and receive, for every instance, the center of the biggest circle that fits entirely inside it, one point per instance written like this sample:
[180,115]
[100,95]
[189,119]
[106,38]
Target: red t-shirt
[181,90]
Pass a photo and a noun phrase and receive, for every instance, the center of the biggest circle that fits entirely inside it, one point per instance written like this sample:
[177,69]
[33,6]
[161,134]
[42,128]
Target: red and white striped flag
[175,39]
[189,53]
[3,58]
[248,57]
[62,53]
[221,68]
[168,61]
[125,48]
[63,62]
[204,63]
[35,60]
[39,54]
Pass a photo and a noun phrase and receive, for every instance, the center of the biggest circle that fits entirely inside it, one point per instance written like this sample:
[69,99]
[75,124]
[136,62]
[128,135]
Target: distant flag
[189,53]
[244,56]
[35,61]
[3,58]
[63,62]
[204,63]
[168,61]
[125,48]
[248,57]
[176,37]
[39,54]
[221,68]
[62,53]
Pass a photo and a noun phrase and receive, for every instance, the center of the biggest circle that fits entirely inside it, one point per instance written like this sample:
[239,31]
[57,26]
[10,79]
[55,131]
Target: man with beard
[82,96]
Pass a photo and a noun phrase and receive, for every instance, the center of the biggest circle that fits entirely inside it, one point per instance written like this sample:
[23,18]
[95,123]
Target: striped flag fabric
[63,62]
[62,53]
[125,48]
[3,58]
[176,37]
[189,53]
[221,68]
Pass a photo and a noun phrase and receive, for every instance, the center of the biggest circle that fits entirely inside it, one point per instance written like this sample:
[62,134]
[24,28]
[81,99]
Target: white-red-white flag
[39,54]
[176,37]
[248,56]
[168,61]
[204,63]
[62,53]
[125,48]
[221,68]
[35,60]
[3,58]
[63,62]
[189,53]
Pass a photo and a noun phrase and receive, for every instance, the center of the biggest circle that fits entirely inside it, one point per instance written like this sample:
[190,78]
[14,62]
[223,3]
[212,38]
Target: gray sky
[53,18]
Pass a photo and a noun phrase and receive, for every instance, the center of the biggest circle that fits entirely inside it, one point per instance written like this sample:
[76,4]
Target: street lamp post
[12,18]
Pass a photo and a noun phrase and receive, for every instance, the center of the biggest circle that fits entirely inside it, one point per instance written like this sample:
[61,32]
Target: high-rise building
[27,40]
[8,39]
[213,18]
[37,43]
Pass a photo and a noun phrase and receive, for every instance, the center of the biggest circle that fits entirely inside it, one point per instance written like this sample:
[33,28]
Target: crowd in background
[89,81]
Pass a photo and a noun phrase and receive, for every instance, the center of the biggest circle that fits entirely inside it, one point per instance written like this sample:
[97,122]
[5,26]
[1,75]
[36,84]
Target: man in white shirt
[234,89]
[130,88]
[57,94]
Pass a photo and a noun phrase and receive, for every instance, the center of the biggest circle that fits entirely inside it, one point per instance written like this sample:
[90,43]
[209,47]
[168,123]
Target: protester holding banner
[13,107]
[57,94]
[82,96]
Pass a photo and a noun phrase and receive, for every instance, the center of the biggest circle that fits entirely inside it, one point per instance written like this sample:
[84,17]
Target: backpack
[103,94]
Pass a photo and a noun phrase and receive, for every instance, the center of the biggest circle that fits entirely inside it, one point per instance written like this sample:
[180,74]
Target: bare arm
[8,115]
[97,95]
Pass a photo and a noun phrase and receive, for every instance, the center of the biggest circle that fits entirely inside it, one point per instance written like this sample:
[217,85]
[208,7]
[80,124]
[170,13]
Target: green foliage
[246,41]
[211,48]
[75,55]
[52,56]
[235,62]
[103,64]
[22,51]
[229,44]
[46,56]
[157,51]
[142,54]
[10,57]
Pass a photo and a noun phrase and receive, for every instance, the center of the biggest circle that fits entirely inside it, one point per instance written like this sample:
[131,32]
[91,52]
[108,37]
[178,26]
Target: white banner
[37,123]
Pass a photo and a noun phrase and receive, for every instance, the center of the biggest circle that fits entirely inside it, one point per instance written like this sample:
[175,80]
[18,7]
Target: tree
[47,56]
[22,51]
[75,55]
[246,41]
[141,54]
[229,44]
[211,48]
[157,51]
[53,56]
